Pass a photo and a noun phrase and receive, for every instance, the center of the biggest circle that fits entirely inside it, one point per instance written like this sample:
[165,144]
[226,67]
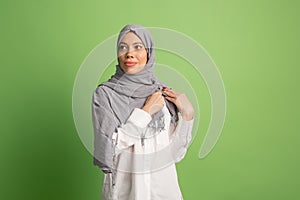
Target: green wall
[255,45]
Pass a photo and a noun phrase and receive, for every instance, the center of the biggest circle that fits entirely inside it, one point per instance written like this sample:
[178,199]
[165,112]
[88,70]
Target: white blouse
[144,160]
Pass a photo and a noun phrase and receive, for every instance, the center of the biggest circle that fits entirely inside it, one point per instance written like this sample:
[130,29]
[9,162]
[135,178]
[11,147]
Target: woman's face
[132,54]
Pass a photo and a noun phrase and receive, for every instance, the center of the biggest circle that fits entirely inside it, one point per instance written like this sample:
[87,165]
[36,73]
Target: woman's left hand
[182,103]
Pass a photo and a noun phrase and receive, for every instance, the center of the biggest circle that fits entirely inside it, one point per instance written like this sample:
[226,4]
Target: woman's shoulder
[99,89]
[102,89]
[101,93]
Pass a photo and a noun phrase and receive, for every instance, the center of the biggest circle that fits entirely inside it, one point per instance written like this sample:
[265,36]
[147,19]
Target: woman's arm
[180,138]
[130,133]
[181,135]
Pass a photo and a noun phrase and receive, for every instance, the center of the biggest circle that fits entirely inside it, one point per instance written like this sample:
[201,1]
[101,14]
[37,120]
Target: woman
[139,133]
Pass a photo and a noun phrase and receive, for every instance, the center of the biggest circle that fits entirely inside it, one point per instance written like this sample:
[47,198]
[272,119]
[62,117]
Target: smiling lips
[130,63]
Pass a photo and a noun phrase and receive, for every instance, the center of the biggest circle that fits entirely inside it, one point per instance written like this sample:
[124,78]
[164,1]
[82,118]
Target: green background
[255,45]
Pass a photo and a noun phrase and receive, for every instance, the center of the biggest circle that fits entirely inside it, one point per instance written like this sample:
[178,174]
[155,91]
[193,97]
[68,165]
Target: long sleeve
[130,132]
[180,137]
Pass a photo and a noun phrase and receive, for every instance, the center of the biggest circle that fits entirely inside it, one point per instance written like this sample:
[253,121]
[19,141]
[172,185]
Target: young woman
[141,127]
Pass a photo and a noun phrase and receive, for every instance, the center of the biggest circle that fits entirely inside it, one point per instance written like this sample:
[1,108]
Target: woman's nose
[129,54]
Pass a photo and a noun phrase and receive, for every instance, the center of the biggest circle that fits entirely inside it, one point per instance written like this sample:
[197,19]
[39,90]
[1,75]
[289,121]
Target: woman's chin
[132,70]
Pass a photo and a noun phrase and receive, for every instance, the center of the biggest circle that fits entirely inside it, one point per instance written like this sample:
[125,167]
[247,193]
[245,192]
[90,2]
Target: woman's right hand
[154,103]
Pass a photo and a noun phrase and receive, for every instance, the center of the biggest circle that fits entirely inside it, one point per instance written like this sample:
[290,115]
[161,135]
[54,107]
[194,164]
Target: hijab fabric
[115,99]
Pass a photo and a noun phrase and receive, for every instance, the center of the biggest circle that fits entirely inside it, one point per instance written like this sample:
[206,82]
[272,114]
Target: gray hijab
[115,99]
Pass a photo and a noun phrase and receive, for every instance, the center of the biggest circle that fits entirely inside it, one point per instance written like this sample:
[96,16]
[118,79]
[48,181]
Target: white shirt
[144,160]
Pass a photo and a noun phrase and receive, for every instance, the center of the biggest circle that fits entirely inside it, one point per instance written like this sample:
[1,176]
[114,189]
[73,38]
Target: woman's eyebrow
[132,43]
[138,43]
[123,43]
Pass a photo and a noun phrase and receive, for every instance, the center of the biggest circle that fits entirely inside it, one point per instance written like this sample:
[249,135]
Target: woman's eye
[138,46]
[122,47]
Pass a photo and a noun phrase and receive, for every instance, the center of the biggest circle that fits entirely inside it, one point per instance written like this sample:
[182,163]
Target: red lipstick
[130,64]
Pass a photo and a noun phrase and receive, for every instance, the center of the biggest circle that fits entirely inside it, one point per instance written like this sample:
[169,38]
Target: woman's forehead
[131,38]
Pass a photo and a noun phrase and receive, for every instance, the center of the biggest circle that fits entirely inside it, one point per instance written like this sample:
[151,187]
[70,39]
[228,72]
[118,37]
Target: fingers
[154,103]
[156,98]
[181,102]
[174,97]
[170,93]
[170,99]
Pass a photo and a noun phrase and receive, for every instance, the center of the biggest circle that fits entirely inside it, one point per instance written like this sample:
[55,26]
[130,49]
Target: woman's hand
[154,103]
[182,103]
